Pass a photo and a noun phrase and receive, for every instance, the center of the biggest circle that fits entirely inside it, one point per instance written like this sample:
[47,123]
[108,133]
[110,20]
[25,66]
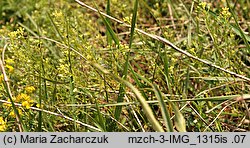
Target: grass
[120,66]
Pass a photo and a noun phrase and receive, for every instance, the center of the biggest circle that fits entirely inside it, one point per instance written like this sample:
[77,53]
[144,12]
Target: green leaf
[133,23]
[179,120]
[148,111]
[164,110]
[109,28]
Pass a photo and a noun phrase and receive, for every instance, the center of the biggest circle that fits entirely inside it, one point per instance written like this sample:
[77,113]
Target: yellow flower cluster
[1,78]
[9,61]
[57,14]
[30,89]
[192,51]
[10,68]
[12,113]
[225,13]
[22,98]
[8,65]
[13,34]
[16,34]
[127,19]
[25,99]
[203,5]
[3,125]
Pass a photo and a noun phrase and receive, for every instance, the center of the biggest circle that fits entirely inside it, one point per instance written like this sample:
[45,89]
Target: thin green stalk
[109,28]
[72,83]
[21,126]
[40,99]
[125,71]
[238,27]
[134,17]
[109,38]
[101,121]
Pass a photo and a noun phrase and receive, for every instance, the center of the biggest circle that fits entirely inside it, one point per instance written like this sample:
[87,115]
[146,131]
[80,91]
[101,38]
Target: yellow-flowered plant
[203,5]
[225,12]
[16,34]
[3,125]
[9,61]
[25,99]
[7,104]
[1,78]
[30,89]
[22,98]
[10,68]
[12,113]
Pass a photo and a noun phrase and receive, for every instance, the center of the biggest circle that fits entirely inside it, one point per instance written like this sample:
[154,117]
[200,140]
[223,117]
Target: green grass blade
[100,118]
[54,26]
[179,119]
[121,94]
[28,29]
[109,28]
[40,102]
[125,72]
[109,38]
[148,111]
[133,23]
[164,111]
[7,88]
[120,99]
[242,34]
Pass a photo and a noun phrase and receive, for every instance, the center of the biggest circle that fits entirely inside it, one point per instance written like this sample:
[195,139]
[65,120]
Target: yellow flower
[192,51]
[57,14]
[1,78]
[9,61]
[171,68]
[203,5]
[225,13]
[22,97]
[39,106]
[12,113]
[10,68]
[25,99]
[127,19]
[7,104]
[30,89]
[3,125]
[13,34]
[27,104]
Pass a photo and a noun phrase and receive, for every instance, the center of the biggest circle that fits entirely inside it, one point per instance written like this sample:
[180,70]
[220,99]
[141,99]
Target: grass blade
[133,23]
[109,28]
[125,71]
[109,38]
[118,109]
[242,34]
[148,111]
[180,122]
[164,110]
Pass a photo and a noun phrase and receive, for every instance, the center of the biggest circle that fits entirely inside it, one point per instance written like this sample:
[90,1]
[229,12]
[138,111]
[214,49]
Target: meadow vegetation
[161,65]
